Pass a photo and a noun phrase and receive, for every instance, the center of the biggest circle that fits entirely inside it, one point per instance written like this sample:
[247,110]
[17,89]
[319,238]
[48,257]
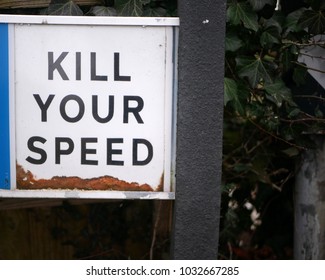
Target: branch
[312,56]
[313,43]
[276,137]
[311,97]
[308,68]
[304,120]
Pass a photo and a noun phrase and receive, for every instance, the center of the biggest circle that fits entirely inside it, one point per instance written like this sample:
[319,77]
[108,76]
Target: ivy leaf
[278,93]
[102,11]
[130,7]
[255,70]
[299,75]
[232,42]
[276,21]
[238,13]
[291,152]
[288,55]
[259,4]
[68,8]
[270,37]
[291,21]
[316,4]
[231,95]
[294,113]
[230,90]
[313,20]
[155,12]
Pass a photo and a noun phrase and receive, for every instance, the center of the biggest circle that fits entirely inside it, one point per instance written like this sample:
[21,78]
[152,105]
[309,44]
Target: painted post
[309,238]
[199,128]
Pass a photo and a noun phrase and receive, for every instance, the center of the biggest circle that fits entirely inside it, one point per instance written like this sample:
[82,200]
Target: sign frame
[170,108]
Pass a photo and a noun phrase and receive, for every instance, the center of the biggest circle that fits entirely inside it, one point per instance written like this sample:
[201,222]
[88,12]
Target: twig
[304,120]
[276,137]
[308,68]
[312,56]
[314,43]
[311,97]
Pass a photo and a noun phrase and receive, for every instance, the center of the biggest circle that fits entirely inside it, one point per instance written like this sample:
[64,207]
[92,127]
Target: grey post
[199,129]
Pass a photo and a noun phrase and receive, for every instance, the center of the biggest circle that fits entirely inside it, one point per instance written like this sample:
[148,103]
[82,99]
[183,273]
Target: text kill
[102,113]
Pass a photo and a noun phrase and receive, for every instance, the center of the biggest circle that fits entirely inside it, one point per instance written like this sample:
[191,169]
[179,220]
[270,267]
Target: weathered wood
[27,235]
[16,4]
[24,203]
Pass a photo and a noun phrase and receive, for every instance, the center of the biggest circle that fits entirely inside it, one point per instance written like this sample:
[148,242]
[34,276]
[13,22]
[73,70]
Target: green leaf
[130,7]
[291,21]
[291,152]
[231,95]
[294,113]
[232,42]
[154,12]
[276,21]
[278,93]
[286,58]
[259,4]
[270,37]
[68,8]
[318,112]
[230,90]
[299,75]
[314,21]
[316,4]
[255,70]
[238,13]
[102,11]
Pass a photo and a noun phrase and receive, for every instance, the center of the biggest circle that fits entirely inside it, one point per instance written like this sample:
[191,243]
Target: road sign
[87,106]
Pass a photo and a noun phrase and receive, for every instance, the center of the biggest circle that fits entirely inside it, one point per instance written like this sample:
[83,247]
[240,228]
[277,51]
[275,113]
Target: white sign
[311,55]
[91,104]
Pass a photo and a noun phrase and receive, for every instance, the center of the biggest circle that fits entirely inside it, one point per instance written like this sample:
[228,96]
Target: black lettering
[93,75]
[56,65]
[134,110]
[63,111]
[43,106]
[78,66]
[110,107]
[135,159]
[58,149]
[111,151]
[85,151]
[31,146]
[117,76]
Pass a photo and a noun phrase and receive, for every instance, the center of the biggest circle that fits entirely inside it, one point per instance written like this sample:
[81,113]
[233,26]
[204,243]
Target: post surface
[199,129]
[309,210]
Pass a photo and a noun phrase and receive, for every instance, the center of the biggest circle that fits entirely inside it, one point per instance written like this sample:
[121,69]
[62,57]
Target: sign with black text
[89,105]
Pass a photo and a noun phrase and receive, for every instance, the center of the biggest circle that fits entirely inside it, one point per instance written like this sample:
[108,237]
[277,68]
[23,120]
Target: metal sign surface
[87,107]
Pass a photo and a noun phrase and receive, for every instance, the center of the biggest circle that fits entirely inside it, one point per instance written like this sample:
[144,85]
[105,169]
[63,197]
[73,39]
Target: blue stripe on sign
[4,109]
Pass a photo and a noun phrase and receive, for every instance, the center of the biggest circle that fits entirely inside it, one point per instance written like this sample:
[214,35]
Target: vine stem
[304,120]
[308,68]
[310,97]
[276,137]
[313,43]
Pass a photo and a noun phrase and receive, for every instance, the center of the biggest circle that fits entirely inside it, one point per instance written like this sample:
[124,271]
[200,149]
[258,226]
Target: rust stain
[26,180]
[160,187]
